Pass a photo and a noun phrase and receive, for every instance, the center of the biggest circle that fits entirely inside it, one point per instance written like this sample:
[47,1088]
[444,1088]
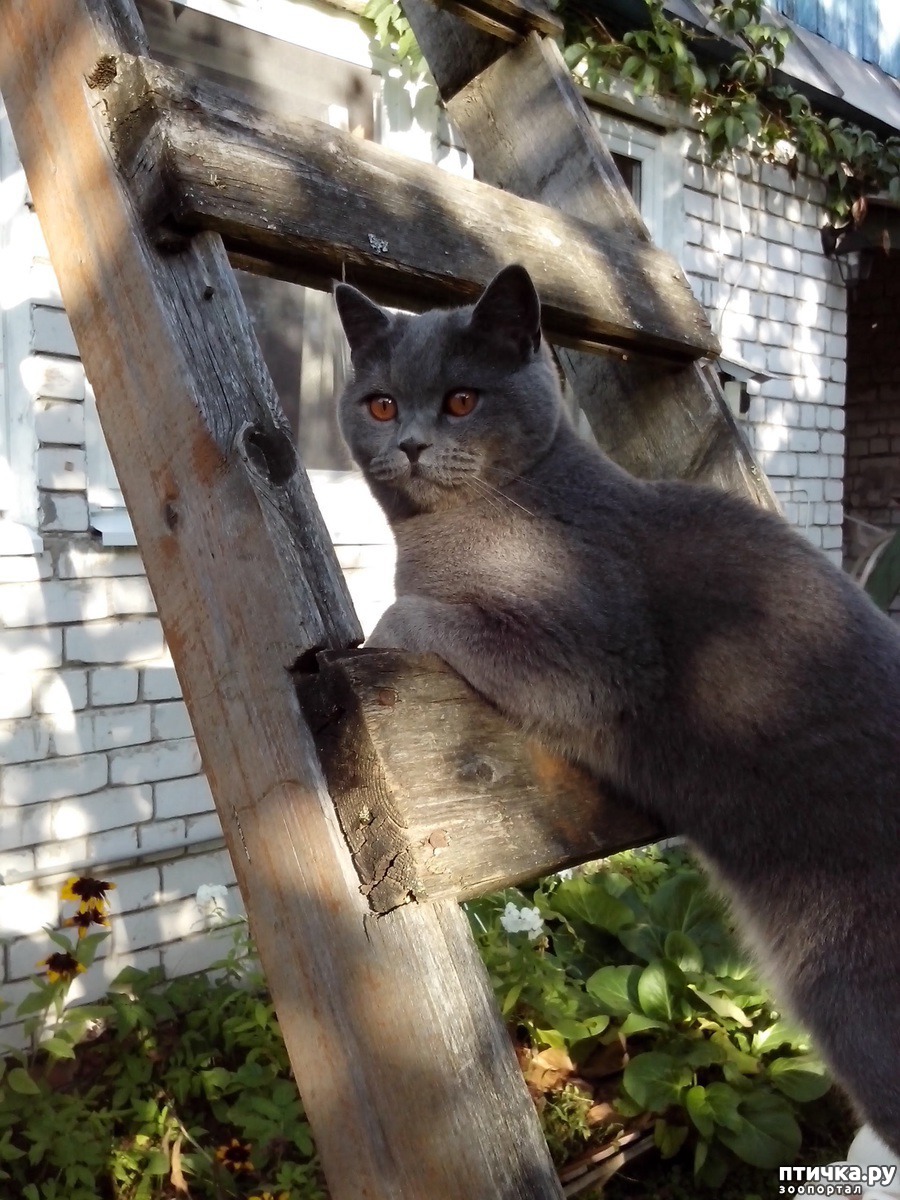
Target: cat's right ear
[509,311]
[365,324]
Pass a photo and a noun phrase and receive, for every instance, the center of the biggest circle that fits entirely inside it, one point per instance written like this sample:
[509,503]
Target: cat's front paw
[404,626]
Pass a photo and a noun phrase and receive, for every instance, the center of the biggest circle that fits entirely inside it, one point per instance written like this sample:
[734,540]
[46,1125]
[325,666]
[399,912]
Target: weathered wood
[510,20]
[307,197]
[392,1032]
[438,795]
[528,131]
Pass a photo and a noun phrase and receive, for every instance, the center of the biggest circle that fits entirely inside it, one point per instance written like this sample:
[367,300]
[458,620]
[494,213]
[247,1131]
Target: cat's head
[443,406]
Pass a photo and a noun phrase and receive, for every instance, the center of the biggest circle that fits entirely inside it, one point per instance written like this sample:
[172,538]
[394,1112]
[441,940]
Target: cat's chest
[459,556]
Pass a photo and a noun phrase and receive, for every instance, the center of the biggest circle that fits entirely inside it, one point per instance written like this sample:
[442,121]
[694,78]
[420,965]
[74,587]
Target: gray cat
[687,648]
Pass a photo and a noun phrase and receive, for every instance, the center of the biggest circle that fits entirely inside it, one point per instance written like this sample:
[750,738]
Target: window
[650,164]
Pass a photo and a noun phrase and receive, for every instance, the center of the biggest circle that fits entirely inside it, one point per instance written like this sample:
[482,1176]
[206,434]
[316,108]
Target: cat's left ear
[509,308]
[365,324]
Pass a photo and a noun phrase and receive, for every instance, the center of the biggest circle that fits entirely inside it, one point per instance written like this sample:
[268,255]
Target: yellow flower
[87,892]
[62,966]
[235,1157]
[85,918]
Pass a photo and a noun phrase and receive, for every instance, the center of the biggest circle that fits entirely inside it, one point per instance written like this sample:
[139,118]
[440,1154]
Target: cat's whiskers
[488,489]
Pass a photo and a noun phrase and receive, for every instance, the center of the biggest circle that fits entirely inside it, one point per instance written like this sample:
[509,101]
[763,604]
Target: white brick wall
[776,303]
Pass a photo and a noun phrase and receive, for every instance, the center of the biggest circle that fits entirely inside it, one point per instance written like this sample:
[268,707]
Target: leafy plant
[165,1086]
[636,968]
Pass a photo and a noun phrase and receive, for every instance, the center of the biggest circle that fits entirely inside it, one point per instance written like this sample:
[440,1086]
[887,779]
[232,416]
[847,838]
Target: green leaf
[59,1047]
[638,1023]
[767,1134]
[669,1138]
[659,991]
[586,899]
[803,1078]
[723,1007]
[723,1101]
[700,1111]
[683,951]
[614,989]
[656,1081]
[21,1082]
[37,1001]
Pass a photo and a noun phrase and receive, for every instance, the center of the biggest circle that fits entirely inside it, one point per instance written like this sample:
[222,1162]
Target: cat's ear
[509,309]
[365,324]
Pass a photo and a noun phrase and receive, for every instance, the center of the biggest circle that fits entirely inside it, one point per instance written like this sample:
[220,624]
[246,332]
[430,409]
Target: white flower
[212,900]
[565,873]
[522,920]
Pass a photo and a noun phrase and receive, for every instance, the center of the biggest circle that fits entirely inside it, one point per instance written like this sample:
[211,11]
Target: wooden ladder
[352,835]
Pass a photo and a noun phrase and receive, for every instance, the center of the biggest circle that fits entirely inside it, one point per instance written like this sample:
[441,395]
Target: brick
[161,683]
[835,513]
[812,466]
[25,568]
[836,466]
[700,262]
[160,835]
[834,489]
[183,876]
[52,333]
[21,827]
[62,470]
[160,760]
[24,954]
[196,953]
[15,696]
[114,685]
[116,727]
[204,828]
[109,809]
[72,733]
[60,691]
[783,362]
[171,721]
[114,641]
[59,422]
[25,740]
[803,439]
[158,925]
[63,512]
[180,797]
[130,595]
[780,282]
[90,562]
[113,845]
[696,204]
[14,864]
[53,602]
[831,537]
[833,443]
[820,514]
[823,418]
[812,290]
[61,856]
[53,378]
[780,464]
[136,888]
[53,779]
[839,323]
[784,257]
[26,907]
[23,650]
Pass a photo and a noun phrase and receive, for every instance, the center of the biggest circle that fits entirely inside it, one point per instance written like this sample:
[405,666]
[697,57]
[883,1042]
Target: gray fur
[688,648]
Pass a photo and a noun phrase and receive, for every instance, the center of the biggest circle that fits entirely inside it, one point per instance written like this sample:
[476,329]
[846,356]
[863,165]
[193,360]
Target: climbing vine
[737,101]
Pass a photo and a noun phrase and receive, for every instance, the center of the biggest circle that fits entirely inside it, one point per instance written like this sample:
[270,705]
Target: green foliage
[639,953]
[737,103]
[184,1084]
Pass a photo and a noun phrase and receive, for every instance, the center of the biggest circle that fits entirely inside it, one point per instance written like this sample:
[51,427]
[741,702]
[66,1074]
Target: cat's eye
[460,403]
[382,408]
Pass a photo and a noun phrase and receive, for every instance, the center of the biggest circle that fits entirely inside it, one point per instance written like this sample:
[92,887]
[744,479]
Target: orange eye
[461,402]
[382,408]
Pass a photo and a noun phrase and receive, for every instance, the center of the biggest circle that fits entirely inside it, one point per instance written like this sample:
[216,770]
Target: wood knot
[386,697]
[103,73]
[270,451]
[438,841]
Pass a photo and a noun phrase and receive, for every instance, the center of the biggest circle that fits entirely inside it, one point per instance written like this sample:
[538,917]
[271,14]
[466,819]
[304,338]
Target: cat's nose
[412,448]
